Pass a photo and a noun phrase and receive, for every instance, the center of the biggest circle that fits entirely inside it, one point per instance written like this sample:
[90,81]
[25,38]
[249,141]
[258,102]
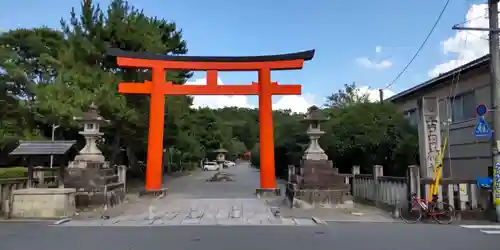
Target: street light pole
[54,127]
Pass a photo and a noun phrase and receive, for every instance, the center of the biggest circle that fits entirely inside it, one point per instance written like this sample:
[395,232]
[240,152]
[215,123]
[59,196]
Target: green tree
[88,75]
[349,95]
[367,134]
[27,61]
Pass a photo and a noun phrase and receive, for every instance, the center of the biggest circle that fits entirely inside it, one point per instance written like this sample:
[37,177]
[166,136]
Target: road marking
[486,229]
[62,221]
[481,226]
[490,232]
[318,220]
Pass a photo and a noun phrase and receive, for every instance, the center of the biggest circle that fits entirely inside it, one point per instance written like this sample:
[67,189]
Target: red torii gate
[158,88]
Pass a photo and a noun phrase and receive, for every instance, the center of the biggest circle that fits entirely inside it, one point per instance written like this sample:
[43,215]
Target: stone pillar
[291,172]
[429,134]
[122,175]
[60,178]
[40,175]
[377,172]
[414,179]
[356,170]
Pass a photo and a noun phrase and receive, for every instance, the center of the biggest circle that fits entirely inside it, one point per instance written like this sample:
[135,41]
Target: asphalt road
[345,236]
[337,235]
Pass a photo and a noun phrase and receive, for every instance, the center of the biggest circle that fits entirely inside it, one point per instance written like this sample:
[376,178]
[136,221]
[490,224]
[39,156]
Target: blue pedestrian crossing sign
[482,129]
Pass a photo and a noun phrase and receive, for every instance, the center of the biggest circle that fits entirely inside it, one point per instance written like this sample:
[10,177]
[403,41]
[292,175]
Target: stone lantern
[91,122]
[220,156]
[318,183]
[314,151]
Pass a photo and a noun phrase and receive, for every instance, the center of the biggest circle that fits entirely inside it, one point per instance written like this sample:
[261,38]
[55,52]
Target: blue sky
[340,31]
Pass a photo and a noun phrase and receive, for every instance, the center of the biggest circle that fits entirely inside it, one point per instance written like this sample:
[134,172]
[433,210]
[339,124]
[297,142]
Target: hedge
[13,172]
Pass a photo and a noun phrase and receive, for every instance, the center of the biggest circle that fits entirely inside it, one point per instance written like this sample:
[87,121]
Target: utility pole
[495,98]
[494,32]
[381,95]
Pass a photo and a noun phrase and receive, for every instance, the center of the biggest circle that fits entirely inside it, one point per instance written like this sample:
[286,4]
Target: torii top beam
[221,63]
[212,65]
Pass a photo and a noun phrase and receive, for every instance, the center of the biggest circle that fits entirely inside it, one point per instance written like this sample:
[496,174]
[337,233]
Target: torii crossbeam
[157,88]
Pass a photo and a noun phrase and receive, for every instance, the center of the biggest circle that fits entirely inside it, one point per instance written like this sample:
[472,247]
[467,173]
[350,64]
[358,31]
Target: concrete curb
[367,221]
[26,221]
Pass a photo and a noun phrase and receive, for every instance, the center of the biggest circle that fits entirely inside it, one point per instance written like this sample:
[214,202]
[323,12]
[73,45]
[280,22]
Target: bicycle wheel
[410,213]
[443,212]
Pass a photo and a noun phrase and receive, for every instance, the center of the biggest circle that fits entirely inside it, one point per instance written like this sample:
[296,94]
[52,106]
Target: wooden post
[30,176]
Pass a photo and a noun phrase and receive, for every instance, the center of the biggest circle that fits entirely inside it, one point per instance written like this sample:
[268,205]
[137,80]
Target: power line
[421,46]
[449,108]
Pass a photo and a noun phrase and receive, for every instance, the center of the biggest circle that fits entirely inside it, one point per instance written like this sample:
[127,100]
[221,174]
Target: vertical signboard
[429,134]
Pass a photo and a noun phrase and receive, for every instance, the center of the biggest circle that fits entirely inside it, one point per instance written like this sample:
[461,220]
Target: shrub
[13,172]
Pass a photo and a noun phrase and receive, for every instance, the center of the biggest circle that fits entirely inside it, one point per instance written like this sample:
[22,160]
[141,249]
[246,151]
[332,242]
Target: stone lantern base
[79,164]
[318,185]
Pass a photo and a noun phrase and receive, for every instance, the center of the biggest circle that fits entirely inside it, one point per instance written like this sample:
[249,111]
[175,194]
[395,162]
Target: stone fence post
[414,179]
[122,175]
[378,171]
[291,172]
[355,170]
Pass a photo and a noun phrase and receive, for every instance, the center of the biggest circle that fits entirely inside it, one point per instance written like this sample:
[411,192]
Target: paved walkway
[192,200]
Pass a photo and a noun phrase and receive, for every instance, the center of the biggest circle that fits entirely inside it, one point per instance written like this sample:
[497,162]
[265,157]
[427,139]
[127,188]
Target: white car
[229,163]
[211,166]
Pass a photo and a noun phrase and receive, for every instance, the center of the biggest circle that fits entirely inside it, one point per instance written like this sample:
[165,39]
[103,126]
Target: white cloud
[384,64]
[467,45]
[295,103]
[373,94]
[378,49]
[217,102]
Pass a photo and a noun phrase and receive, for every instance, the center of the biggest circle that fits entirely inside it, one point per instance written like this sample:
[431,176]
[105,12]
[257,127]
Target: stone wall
[97,186]
[320,174]
[322,198]
[45,203]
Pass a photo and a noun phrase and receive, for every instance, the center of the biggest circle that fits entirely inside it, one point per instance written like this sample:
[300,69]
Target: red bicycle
[441,212]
